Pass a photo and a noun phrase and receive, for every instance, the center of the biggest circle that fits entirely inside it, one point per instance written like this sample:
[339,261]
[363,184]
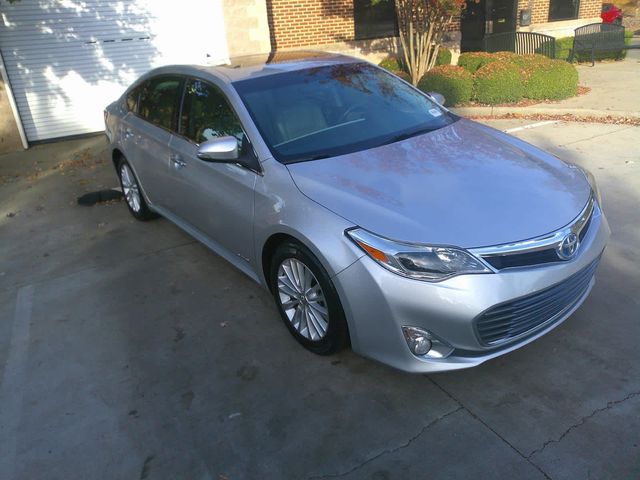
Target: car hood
[466,185]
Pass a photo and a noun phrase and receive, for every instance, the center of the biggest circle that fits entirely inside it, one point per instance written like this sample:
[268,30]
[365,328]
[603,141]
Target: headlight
[592,182]
[422,262]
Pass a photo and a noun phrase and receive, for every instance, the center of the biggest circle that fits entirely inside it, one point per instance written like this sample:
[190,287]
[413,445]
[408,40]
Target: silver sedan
[375,217]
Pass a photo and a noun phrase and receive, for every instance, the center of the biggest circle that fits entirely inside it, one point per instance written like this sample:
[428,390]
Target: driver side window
[206,114]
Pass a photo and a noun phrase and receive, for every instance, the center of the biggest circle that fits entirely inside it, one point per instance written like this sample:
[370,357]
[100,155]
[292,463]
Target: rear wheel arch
[116,156]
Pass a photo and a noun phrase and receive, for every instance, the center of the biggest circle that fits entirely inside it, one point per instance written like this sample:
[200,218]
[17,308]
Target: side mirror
[221,149]
[438,97]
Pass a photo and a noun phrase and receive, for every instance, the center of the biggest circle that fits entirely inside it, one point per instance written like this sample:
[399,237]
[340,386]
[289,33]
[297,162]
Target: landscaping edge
[490,111]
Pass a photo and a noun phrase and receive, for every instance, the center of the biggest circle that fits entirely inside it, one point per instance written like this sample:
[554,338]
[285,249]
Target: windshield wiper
[404,136]
[320,156]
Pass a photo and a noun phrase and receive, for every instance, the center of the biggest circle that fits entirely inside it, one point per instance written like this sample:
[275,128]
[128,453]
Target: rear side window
[159,100]
[132,100]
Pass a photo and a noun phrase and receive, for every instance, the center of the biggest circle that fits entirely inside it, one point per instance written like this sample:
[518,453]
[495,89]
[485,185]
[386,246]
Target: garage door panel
[66,61]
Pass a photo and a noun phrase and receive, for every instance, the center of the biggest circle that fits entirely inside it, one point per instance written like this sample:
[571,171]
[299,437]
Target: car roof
[261,65]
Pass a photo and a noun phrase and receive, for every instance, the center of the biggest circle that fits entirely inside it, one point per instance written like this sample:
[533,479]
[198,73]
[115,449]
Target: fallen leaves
[567,117]
[82,159]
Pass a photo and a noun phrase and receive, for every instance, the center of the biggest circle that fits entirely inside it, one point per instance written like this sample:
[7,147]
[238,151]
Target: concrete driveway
[129,351]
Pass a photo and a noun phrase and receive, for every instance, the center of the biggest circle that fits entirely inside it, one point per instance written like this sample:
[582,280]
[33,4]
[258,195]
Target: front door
[501,16]
[472,24]
[484,17]
[214,198]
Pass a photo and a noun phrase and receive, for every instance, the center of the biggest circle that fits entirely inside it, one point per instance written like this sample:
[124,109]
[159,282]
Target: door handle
[128,133]
[177,161]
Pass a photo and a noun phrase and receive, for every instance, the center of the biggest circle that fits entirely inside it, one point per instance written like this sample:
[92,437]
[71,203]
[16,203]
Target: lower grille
[517,317]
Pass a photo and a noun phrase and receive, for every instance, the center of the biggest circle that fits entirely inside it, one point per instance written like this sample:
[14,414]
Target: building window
[375,19]
[563,9]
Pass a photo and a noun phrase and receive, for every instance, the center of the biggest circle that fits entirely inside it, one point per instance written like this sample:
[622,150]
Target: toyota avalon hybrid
[375,217]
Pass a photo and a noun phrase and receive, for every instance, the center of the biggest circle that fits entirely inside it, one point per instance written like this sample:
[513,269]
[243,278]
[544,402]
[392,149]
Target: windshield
[336,109]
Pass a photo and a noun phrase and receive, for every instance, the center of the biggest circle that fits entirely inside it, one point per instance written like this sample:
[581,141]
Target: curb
[576,112]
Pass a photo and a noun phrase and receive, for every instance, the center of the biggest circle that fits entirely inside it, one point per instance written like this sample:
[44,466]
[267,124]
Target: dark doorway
[472,23]
[484,17]
[501,15]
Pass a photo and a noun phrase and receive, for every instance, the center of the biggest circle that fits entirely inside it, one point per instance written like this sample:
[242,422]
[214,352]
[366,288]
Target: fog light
[423,343]
[417,339]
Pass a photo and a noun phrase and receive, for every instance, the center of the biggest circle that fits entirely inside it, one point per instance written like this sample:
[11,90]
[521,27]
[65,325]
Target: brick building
[61,61]
[365,27]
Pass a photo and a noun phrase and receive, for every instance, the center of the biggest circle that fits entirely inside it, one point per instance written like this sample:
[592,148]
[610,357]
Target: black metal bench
[598,37]
[521,43]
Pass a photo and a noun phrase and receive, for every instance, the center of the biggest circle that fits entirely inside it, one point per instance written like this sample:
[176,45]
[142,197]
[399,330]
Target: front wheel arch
[338,335]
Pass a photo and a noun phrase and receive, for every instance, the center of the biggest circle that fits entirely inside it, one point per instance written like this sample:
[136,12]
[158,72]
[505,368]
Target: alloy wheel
[302,299]
[130,188]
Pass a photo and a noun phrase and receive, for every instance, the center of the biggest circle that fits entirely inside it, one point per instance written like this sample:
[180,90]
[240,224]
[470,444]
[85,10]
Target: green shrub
[550,80]
[453,82]
[444,56]
[498,82]
[529,60]
[563,47]
[472,61]
[395,64]
[403,75]
[391,63]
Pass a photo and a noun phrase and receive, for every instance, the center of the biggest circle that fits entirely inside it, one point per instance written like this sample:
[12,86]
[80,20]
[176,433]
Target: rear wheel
[133,193]
[307,299]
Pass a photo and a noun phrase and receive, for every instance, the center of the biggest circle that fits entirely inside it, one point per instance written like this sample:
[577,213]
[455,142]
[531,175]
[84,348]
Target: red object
[611,14]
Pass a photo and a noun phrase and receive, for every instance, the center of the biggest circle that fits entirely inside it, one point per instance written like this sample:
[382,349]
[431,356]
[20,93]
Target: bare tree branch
[422,24]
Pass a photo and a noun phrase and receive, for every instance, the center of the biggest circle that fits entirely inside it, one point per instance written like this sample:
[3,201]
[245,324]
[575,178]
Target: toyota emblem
[568,247]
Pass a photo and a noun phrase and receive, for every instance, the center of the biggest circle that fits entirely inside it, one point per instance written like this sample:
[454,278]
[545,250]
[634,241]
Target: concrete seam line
[13,379]
[487,426]
[387,451]
[583,420]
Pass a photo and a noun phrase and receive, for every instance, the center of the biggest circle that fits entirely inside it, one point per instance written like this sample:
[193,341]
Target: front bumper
[378,303]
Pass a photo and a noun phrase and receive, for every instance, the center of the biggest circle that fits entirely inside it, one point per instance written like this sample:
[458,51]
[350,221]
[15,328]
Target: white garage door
[67,59]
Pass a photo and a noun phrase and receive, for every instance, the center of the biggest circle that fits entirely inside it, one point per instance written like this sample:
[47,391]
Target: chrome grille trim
[517,318]
[545,245]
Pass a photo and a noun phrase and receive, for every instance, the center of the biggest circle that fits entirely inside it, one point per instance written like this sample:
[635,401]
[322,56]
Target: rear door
[147,131]
[214,198]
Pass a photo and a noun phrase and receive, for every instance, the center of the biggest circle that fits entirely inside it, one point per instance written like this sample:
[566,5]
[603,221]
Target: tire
[133,193]
[304,318]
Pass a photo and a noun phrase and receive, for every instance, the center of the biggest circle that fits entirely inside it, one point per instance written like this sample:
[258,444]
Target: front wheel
[307,300]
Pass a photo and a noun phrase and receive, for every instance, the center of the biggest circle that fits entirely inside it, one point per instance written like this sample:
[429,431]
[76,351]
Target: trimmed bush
[392,64]
[455,83]
[444,56]
[395,64]
[403,75]
[529,60]
[550,80]
[472,61]
[498,82]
